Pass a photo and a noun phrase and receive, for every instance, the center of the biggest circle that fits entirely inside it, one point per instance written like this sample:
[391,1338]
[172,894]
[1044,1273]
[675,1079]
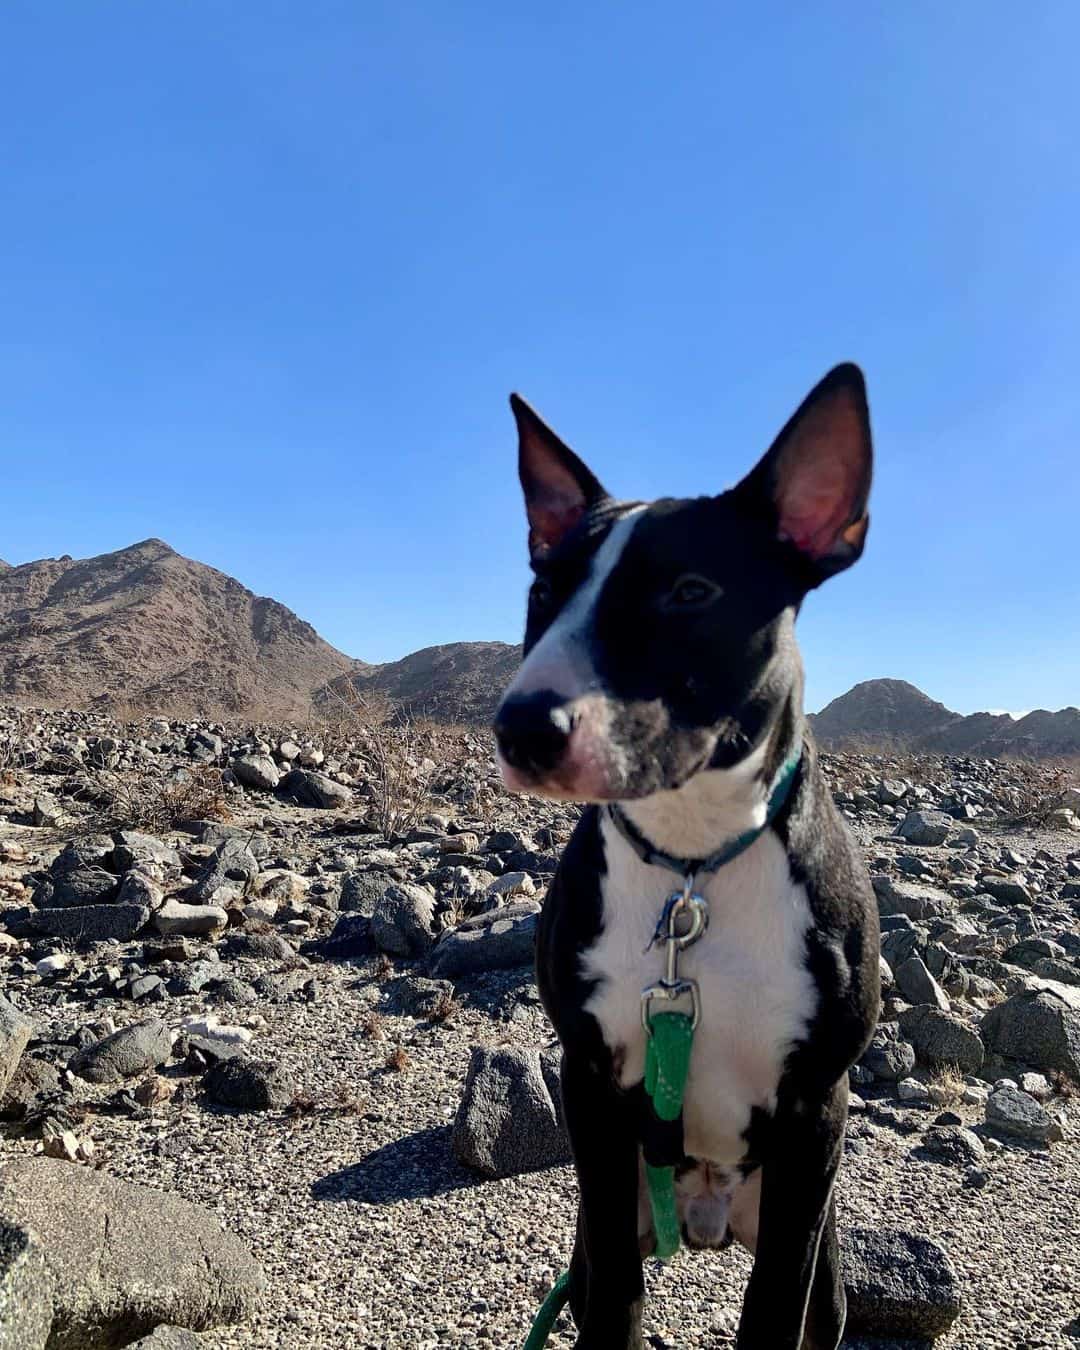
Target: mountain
[458,682]
[896,714]
[149,630]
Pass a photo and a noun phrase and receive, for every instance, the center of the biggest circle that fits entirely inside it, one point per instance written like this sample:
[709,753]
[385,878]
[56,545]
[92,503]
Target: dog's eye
[540,593]
[691,592]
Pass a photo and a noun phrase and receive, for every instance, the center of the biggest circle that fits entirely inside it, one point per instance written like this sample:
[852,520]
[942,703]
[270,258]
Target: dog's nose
[532,731]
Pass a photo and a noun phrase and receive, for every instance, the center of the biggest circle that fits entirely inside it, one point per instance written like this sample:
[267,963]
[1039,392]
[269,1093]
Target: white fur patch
[560,660]
[757,995]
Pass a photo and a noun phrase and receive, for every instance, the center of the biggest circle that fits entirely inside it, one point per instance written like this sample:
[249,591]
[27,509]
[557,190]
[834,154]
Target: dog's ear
[558,487]
[814,482]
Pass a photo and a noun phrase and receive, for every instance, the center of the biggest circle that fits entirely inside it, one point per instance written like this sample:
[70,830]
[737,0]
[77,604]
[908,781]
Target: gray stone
[900,944]
[403,923]
[15,1030]
[907,897]
[315,789]
[171,1338]
[129,1051]
[497,941]
[249,1085]
[175,918]
[79,876]
[26,1291]
[125,1258]
[918,986]
[349,940]
[508,1121]
[232,861]
[257,771]
[33,1079]
[925,827]
[416,996]
[132,849]
[1029,951]
[259,946]
[941,1040]
[361,892]
[1013,1112]
[1007,890]
[888,1056]
[898,1284]
[954,1145]
[93,923]
[137,888]
[1036,1027]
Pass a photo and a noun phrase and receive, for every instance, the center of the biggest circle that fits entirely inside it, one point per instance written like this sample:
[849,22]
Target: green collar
[692,867]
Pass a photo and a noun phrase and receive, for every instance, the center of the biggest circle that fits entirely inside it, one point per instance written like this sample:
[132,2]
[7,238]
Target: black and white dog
[662,683]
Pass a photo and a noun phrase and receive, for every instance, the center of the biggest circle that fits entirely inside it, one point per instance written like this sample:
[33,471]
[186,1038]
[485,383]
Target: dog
[661,684]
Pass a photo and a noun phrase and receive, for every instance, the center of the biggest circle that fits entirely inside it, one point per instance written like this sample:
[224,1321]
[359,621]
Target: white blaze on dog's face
[659,635]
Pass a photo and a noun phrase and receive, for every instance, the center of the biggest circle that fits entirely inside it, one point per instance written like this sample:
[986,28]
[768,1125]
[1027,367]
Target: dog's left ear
[559,489]
[814,482]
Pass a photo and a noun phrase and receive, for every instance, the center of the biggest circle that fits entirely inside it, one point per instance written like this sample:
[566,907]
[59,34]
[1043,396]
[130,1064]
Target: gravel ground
[372,1236]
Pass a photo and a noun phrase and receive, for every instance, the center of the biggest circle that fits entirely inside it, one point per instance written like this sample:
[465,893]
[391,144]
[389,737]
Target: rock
[911,1090]
[953,1144]
[1036,1027]
[232,861]
[361,892]
[403,923]
[79,877]
[33,1079]
[133,850]
[349,940]
[217,1041]
[257,771]
[1007,890]
[942,1040]
[416,996]
[259,946]
[512,883]
[508,1121]
[497,941]
[918,986]
[93,923]
[888,1056]
[26,1290]
[315,789]
[15,1030]
[139,889]
[249,1085]
[1037,1086]
[907,897]
[898,1284]
[129,1051]
[170,1338]
[176,919]
[1029,951]
[1013,1112]
[282,886]
[925,827]
[125,1258]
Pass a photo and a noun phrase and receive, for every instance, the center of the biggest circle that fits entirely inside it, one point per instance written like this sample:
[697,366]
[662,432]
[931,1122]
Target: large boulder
[1036,1027]
[1013,1112]
[26,1290]
[942,1040]
[15,1031]
[906,897]
[257,771]
[92,923]
[508,1120]
[248,1084]
[232,862]
[918,986]
[176,919]
[898,1284]
[496,941]
[125,1258]
[888,1056]
[315,789]
[926,827]
[403,923]
[127,1052]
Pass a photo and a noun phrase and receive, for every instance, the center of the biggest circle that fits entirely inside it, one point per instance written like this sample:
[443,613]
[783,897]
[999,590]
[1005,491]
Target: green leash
[550,1309]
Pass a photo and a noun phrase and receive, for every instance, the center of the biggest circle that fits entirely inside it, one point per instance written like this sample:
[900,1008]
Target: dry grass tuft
[373,1027]
[398,1060]
[141,799]
[445,1009]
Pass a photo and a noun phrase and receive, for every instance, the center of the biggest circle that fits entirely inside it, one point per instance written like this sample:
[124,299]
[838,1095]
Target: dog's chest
[757,994]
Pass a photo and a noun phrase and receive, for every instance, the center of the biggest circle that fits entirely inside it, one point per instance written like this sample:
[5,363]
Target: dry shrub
[372,1027]
[398,1060]
[407,759]
[140,799]
[1039,794]
[445,1009]
[949,1082]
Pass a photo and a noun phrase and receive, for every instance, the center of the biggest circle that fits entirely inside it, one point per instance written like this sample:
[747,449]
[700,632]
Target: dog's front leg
[796,1213]
[606,1282]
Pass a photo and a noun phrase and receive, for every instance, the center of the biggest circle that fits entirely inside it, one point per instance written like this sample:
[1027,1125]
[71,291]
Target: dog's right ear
[558,487]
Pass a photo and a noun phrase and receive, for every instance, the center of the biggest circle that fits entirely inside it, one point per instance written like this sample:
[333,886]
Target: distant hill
[149,630]
[895,713]
[457,682]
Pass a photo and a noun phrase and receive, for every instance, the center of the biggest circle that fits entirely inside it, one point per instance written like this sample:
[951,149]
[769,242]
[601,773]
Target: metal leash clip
[685,903]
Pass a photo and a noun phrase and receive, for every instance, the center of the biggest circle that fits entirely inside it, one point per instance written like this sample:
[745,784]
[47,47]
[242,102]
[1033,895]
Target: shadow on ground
[418,1166]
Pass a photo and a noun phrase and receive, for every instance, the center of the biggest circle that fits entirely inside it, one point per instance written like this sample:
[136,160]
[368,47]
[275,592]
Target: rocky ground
[284,977]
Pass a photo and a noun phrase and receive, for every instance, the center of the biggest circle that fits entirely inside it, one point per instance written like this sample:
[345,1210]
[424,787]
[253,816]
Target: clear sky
[269,270]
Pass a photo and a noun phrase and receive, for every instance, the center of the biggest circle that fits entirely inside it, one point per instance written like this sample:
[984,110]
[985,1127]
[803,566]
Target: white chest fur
[757,996]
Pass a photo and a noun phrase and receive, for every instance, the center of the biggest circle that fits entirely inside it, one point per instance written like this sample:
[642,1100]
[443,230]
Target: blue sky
[268,271]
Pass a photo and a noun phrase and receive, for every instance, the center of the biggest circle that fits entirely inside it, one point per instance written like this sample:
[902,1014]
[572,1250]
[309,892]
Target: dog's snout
[533,731]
